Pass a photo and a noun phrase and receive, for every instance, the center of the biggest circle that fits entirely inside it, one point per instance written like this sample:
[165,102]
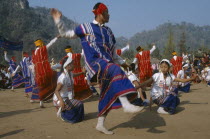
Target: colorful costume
[100,57]
[81,88]
[163,92]
[144,65]
[45,77]
[74,109]
[25,63]
[123,50]
[177,64]
[17,79]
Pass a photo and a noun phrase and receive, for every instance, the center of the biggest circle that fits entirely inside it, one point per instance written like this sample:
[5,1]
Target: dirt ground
[20,119]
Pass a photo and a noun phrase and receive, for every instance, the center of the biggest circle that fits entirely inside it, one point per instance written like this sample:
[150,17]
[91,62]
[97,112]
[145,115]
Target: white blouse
[68,87]
[161,85]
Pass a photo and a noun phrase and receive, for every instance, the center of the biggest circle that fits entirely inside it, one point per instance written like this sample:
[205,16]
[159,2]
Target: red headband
[25,54]
[13,58]
[101,8]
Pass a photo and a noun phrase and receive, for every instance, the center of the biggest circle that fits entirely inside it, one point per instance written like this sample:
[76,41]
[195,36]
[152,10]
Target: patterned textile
[119,52]
[144,66]
[17,79]
[81,88]
[177,64]
[99,55]
[45,77]
[74,111]
[185,88]
[28,86]
[114,83]
[35,93]
[27,73]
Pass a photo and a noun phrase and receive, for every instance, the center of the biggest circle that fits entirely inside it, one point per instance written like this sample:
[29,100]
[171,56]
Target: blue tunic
[17,80]
[98,45]
[26,73]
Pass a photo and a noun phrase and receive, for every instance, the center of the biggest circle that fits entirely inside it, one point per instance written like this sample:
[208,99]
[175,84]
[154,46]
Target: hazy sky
[128,17]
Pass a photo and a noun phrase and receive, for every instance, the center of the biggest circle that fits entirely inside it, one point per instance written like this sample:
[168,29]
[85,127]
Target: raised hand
[55,14]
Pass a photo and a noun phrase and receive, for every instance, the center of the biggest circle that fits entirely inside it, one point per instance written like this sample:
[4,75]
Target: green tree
[170,46]
[182,45]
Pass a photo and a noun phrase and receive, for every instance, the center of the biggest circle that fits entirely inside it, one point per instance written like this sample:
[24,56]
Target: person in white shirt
[184,87]
[162,91]
[207,77]
[69,109]
[142,98]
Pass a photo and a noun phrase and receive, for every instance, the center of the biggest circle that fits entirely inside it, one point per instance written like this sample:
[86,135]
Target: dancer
[142,60]
[184,87]
[45,77]
[17,79]
[24,65]
[81,88]
[123,50]
[163,90]
[69,109]
[176,61]
[100,57]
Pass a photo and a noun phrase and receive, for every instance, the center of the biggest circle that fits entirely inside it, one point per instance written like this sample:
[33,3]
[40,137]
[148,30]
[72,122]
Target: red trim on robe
[45,77]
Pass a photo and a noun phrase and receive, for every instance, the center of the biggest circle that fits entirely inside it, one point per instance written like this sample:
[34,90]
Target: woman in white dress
[69,109]
[163,89]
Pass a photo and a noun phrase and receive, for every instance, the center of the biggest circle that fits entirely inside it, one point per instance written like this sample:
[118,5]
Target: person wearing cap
[184,87]
[123,50]
[17,79]
[102,63]
[163,92]
[44,77]
[69,109]
[176,61]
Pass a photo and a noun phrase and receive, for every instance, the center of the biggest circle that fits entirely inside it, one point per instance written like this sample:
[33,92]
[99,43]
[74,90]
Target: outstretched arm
[5,56]
[51,42]
[185,80]
[147,82]
[60,25]
[153,49]
[126,48]
[117,59]
[16,70]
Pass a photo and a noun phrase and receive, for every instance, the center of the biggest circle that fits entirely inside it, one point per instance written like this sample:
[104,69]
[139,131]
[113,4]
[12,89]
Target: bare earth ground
[20,119]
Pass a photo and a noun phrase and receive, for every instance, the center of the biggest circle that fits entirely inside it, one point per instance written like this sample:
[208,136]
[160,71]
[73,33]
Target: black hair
[96,6]
[68,46]
[132,67]
[138,48]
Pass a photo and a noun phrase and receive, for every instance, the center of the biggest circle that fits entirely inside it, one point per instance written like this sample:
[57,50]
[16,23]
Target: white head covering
[69,60]
[185,65]
[166,60]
